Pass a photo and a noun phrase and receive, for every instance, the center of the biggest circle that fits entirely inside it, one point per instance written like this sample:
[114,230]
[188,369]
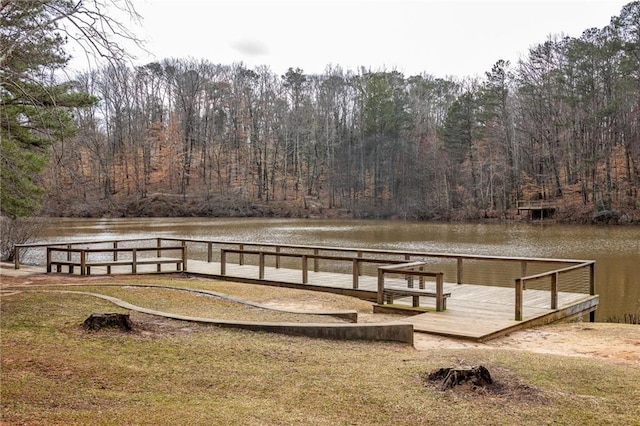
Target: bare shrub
[16,231]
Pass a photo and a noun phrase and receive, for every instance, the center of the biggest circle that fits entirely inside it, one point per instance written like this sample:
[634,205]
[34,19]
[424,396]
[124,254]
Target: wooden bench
[109,263]
[148,261]
[392,292]
[410,270]
[85,264]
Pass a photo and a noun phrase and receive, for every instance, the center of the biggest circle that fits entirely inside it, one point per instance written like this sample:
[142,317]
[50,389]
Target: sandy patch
[618,342]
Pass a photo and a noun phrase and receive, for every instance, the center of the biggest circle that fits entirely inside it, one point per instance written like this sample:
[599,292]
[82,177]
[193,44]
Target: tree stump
[479,376]
[109,320]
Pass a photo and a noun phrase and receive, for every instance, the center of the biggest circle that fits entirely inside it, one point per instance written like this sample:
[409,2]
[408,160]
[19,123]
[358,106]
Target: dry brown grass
[173,372]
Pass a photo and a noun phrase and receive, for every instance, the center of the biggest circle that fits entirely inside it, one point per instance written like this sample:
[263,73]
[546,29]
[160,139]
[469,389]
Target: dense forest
[191,137]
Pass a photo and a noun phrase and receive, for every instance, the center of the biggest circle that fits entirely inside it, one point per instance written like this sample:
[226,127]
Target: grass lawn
[54,372]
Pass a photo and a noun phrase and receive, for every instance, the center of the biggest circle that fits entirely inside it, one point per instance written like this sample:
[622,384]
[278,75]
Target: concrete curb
[391,331]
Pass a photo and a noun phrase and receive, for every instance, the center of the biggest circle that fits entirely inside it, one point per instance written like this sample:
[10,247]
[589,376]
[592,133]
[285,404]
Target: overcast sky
[441,38]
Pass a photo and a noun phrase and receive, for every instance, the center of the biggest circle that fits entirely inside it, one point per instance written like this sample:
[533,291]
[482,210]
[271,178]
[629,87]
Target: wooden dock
[537,209]
[474,312]
[559,289]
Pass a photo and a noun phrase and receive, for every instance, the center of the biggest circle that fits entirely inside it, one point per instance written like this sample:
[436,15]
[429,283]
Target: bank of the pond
[173,205]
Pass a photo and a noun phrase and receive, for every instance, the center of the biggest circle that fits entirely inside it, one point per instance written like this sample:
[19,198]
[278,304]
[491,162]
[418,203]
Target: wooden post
[592,288]
[439,292]
[261,267]
[554,291]
[523,271]
[68,252]
[305,274]
[209,252]
[241,255]
[185,250]
[223,262]
[459,278]
[421,282]
[354,272]
[359,254]
[519,291]
[158,253]
[408,277]
[380,286]
[134,264]
[16,257]
[115,251]
[277,257]
[48,260]
[184,258]
[316,261]
[83,262]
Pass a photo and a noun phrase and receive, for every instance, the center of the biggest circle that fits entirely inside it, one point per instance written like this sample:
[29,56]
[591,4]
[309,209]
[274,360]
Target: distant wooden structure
[537,209]
[466,296]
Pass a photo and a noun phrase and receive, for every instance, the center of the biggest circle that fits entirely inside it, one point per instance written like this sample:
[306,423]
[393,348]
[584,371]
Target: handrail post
[459,273]
[241,255]
[68,252]
[223,262]
[134,263]
[592,288]
[354,272]
[519,291]
[277,257]
[305,275]
[48,260]
[185,248]
[439,292]
[380,286]
[209,252]
[159,253]
[83,262]
[523,271]
[421,281]
[16,257]
[261,267]
[408,277]
[115,251]
[316,261]
[359,254]
[554,291]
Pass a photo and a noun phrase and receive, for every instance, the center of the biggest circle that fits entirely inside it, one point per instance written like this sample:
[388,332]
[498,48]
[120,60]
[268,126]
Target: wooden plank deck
[473,312]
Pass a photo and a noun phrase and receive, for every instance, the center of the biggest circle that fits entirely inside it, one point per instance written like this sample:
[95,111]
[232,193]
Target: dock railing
[554,278]
[536,204]
[456,268]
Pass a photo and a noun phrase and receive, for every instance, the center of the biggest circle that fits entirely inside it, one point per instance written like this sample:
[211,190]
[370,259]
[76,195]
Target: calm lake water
[616,250]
